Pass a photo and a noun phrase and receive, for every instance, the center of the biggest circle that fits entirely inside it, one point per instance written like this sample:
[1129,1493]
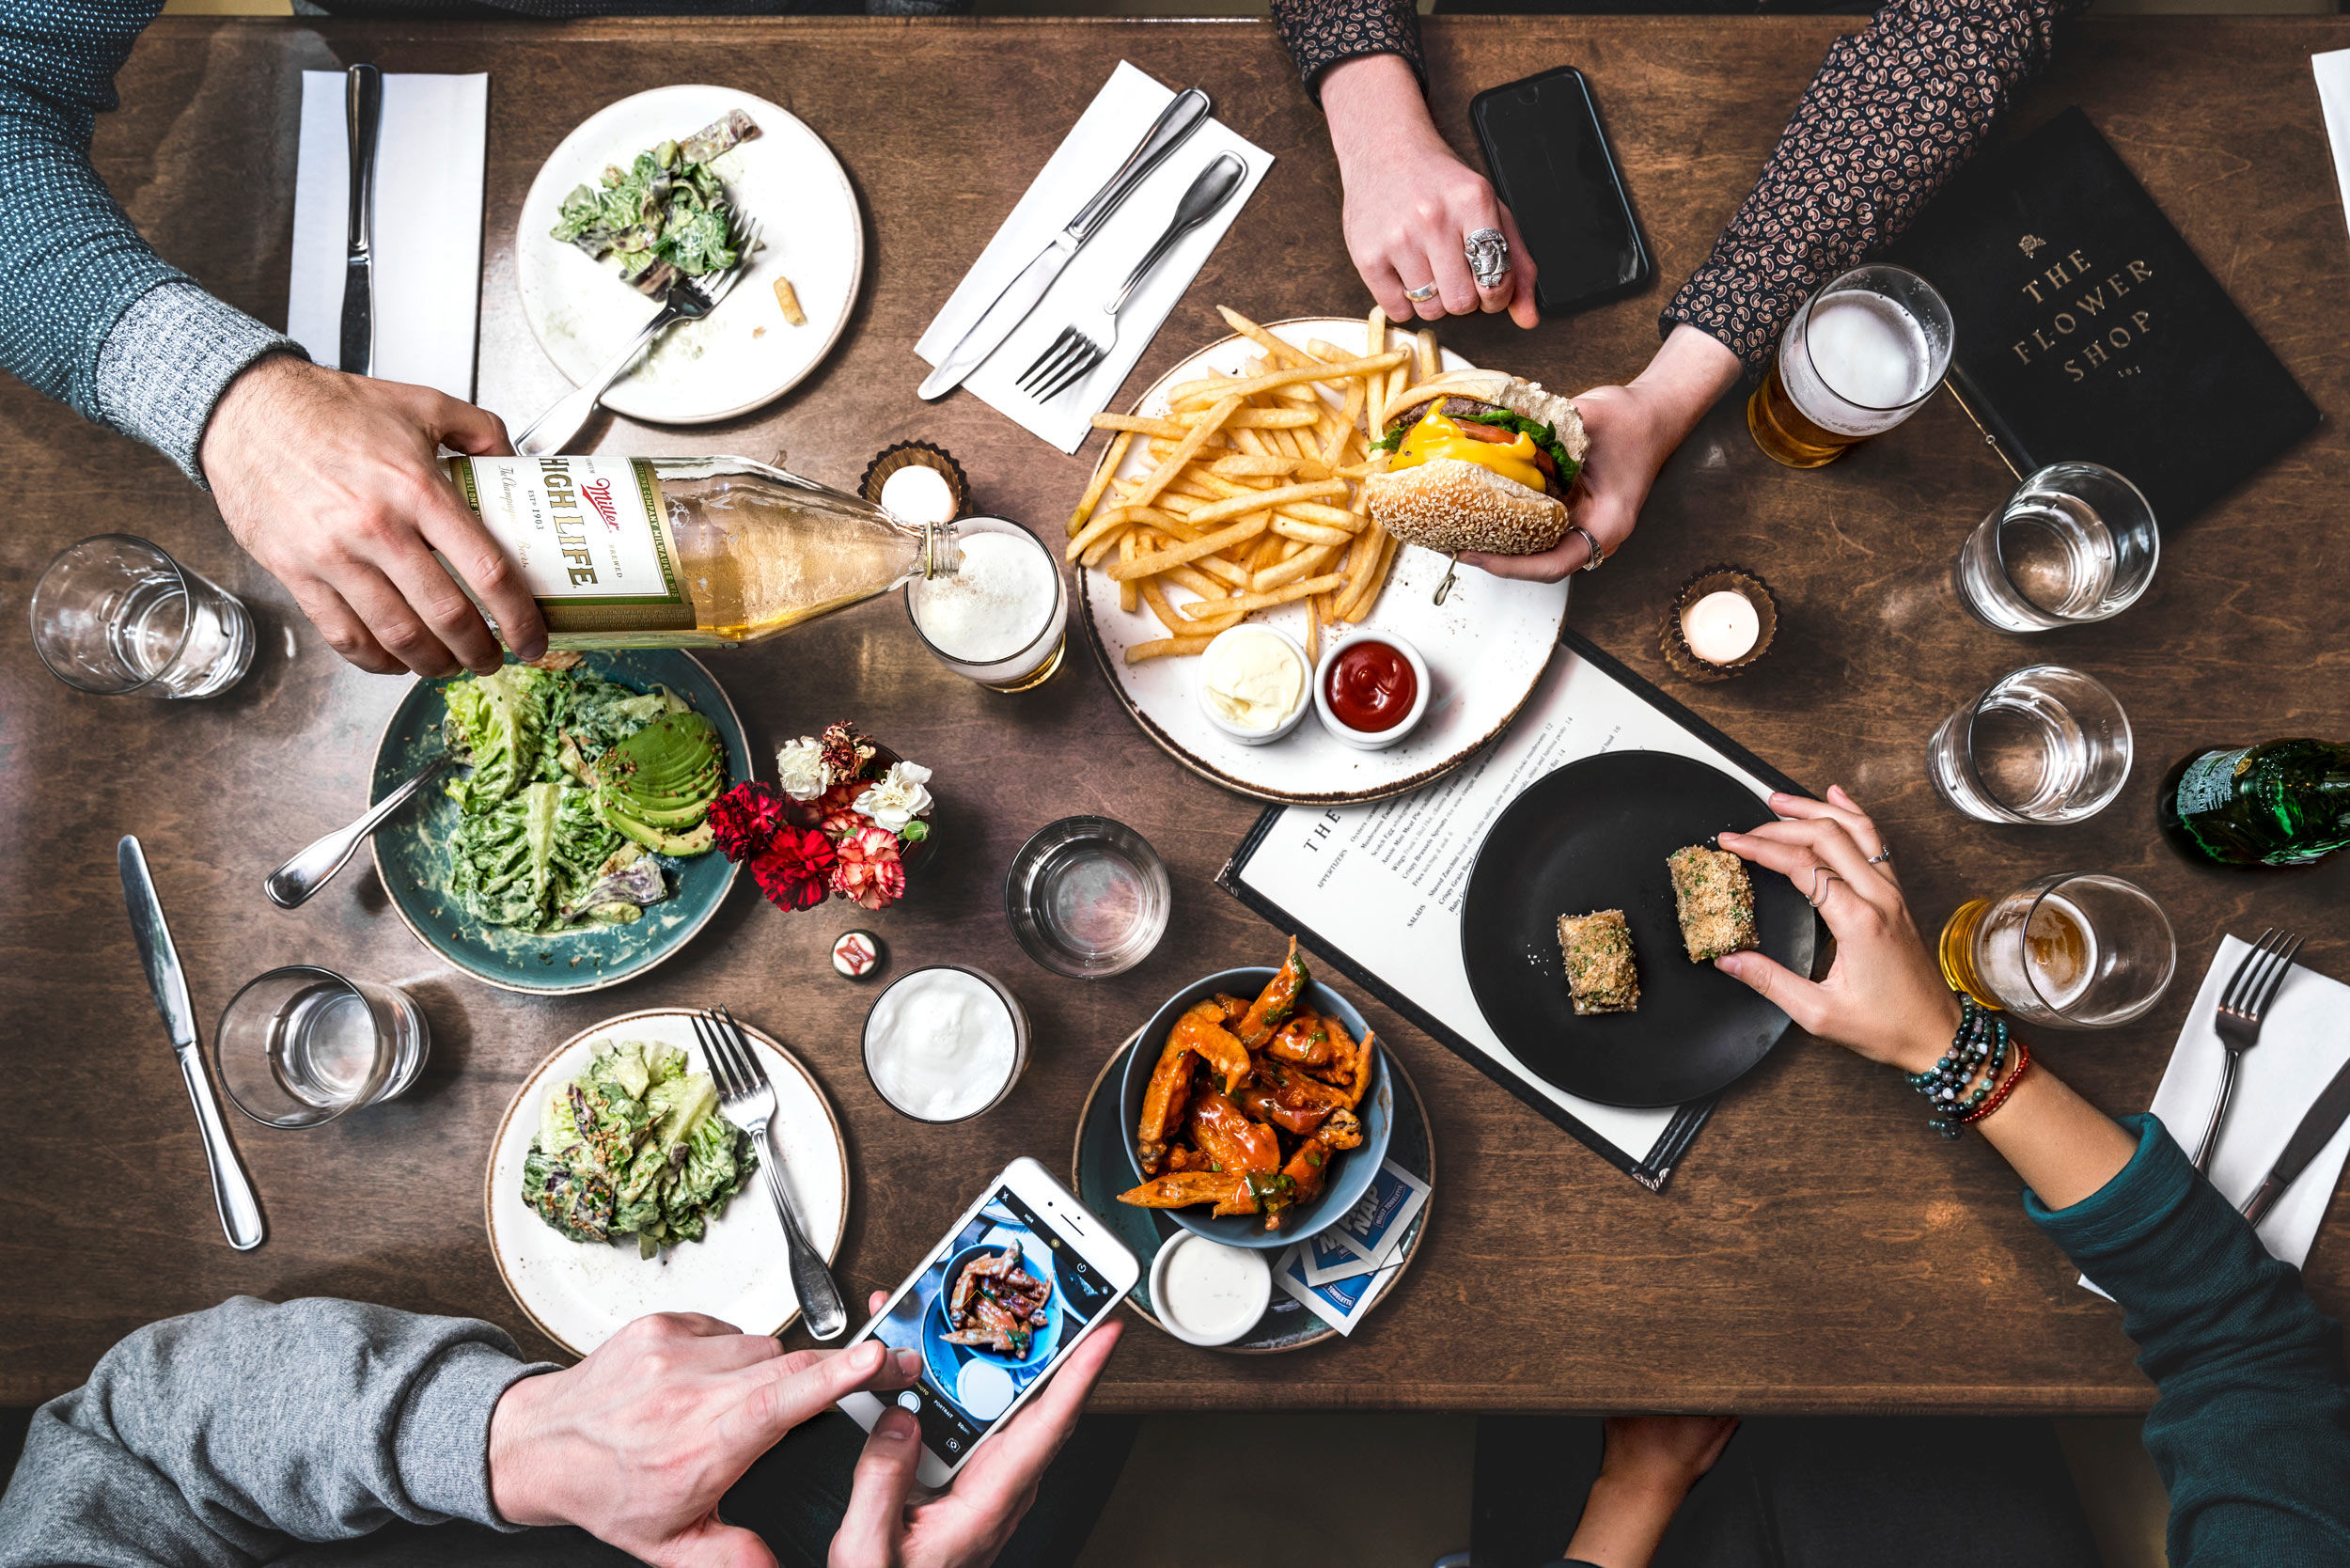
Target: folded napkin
[2304,1040]
[429,159]
[2333,97]
[1092,153]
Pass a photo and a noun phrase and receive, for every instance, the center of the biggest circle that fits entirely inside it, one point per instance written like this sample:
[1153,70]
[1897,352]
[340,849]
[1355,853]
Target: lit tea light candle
[918,494]
[1722,627]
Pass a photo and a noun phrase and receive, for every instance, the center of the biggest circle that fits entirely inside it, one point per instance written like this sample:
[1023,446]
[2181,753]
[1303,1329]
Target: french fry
[1309,561]
[1313,629]
[1249,386]
[1430,357]
[1358,603]
[1335,448]
[1183,554]
[1282,352]
[1375,339]
[1128,596]
[1103,472]
[787,301]
[1312,533]
[1167,648]
[1109,523]
[1241,466]
[1288,595]
[1158,478]
[1138,424]
[1261,500]
[1256,419]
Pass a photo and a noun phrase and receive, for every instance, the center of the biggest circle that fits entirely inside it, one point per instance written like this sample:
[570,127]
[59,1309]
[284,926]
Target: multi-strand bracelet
[1998,1096]
[1977,1050]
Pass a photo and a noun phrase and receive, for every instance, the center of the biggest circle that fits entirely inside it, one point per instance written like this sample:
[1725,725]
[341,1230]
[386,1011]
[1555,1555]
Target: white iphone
[1017,1284]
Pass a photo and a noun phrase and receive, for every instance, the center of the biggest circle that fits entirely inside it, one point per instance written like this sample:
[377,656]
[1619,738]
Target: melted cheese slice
[1437,437]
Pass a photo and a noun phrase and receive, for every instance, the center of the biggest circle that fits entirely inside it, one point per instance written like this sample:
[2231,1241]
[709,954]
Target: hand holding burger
[1481,461]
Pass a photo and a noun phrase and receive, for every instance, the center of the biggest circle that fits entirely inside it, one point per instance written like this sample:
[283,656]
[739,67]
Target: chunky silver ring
[1423,294]
[1882,855]
[1488,252]
[1820,877]
[1598,558]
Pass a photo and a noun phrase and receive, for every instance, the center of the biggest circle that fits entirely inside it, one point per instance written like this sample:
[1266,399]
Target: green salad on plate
[665,214]
[634,1146]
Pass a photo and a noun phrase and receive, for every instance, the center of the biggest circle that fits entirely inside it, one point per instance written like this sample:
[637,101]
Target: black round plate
[1594,835]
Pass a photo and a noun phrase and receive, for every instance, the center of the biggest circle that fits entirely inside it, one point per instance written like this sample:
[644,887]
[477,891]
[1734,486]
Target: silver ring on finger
[1423,294]
[1820,877]
[1597,559]
[1882,855]
[1488,253]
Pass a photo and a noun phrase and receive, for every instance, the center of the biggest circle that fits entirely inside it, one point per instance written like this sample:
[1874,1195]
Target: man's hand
[329,480]
[966,1525]
[1634,429]
[637,1444]
[1411,205]
[1650,1464]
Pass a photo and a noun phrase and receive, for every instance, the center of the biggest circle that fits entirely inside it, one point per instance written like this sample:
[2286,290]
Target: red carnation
[796,869]
[746,819]
[870,870]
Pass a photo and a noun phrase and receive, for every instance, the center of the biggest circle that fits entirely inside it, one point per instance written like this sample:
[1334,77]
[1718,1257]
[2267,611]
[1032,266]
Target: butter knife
[362,105]
[232,1191]
[1180,117]
[2317,1129]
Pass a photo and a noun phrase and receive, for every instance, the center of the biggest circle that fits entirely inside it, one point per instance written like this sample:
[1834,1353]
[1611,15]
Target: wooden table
[1818,1251]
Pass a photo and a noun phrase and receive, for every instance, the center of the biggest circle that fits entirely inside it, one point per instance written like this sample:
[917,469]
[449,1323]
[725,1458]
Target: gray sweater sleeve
[214,1438]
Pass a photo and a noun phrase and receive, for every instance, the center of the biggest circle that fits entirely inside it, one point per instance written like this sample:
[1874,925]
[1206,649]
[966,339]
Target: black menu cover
[2088,329]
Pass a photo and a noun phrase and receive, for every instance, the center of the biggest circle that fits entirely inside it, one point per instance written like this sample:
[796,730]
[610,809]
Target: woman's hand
[1883,997]
[1634,429]
[637,1444]
[1647,1468]
[1411,204]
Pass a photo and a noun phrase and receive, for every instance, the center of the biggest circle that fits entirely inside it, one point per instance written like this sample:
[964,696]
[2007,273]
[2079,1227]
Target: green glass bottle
[2282,803]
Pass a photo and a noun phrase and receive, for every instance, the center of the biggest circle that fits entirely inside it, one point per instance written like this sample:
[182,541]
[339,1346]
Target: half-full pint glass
[1856,360]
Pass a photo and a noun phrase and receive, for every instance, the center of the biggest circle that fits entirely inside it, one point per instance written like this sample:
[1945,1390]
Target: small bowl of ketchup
[1371,689]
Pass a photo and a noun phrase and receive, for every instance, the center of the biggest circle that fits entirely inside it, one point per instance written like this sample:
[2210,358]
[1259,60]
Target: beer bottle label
[2208,783]
[589,535]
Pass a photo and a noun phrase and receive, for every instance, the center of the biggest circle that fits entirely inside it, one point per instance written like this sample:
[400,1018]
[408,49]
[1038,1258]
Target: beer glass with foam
[2077,950]
[1859,357]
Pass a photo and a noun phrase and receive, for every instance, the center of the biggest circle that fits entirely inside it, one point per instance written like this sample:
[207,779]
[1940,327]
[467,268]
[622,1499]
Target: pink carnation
[870,870]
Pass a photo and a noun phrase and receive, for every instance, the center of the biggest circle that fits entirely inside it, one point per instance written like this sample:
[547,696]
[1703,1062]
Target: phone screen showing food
[997,1303]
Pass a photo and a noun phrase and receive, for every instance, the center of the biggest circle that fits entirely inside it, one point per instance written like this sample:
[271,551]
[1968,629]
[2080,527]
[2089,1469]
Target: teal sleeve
[2250,1427]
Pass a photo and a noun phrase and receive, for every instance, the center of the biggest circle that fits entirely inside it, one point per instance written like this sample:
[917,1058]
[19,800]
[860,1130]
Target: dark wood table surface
[1817,1251]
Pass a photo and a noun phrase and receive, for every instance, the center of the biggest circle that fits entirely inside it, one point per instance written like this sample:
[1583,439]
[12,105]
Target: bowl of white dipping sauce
[945,1043]
[1208,1293]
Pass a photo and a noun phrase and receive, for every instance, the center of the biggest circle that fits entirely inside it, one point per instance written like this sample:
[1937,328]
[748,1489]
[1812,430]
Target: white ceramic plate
[580,1293]
[743,354]
[1485,646]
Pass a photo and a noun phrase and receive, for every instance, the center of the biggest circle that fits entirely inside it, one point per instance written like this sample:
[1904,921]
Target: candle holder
[1672,637]
[907,454]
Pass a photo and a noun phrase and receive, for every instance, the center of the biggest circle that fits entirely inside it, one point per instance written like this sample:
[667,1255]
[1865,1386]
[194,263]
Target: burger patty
[1465,411]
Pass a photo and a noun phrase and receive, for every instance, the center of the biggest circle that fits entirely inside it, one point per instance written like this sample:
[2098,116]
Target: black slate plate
[1594,835]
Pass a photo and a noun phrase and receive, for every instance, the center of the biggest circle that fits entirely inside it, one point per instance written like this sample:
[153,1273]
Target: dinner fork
[2242,1006]
[750,1101]
[1072,356]
[689,300]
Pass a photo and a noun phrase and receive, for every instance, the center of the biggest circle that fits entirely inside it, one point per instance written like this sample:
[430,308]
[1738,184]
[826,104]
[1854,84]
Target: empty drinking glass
[2076,542]
[301,1045]
[2043,744]
[1086,897]
[2074,949]
[114,614]
[1002,619]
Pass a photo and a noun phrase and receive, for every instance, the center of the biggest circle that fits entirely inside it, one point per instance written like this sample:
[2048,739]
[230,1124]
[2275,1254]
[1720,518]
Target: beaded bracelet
[2023,1065]
[1977,1050]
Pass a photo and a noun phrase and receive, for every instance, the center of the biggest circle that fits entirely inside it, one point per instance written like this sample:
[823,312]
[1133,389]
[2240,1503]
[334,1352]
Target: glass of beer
[1002,620]
[1856,360]
[2076,951]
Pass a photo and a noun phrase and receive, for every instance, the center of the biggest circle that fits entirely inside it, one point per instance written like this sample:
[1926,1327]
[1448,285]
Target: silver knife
[240,1211]
[2317,1129]
[362,105]
[1179,120]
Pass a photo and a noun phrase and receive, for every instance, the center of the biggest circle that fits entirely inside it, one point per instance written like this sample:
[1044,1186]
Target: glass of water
[2074,949]
[1002,617]
[301,1045]
[115,615]
[2076,542]
[2043,744]
[1088,897]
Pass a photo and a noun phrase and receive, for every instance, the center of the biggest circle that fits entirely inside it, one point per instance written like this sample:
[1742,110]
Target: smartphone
[1553,169]
[1015,1285]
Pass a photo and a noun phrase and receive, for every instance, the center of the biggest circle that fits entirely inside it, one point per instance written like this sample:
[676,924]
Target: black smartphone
[1551,166]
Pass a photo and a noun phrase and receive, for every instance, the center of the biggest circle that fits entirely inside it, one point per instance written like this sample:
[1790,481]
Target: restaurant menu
[1377,889]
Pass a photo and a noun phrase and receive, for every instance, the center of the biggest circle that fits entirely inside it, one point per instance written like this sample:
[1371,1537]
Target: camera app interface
[997,1303]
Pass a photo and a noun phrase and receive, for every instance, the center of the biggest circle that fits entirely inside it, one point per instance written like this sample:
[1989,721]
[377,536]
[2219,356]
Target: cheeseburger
[1482,461]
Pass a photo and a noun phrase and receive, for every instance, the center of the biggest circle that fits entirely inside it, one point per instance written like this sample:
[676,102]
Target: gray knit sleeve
[169,359]
[219,1437]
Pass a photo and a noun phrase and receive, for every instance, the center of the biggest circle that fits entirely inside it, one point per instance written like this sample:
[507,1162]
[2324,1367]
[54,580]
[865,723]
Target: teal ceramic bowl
[412,859]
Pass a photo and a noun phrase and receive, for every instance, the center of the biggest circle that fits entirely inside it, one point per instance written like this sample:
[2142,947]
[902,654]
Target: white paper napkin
[428,162]
[2306,1038]
[1083,164]
[2333,96]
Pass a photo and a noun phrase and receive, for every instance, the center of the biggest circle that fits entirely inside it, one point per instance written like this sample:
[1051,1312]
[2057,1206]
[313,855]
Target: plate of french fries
[1232,492]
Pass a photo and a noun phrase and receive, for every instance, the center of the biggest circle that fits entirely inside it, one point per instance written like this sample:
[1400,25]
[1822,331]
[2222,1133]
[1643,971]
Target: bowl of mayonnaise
[1253,683]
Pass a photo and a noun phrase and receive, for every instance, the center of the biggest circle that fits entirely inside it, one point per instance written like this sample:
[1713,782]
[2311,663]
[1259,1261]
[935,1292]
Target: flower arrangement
[841,822]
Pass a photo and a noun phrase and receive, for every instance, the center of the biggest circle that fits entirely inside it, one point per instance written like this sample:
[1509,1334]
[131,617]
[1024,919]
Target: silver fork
[750,1101]
[689,300]
[2237,1022]
[1072,356]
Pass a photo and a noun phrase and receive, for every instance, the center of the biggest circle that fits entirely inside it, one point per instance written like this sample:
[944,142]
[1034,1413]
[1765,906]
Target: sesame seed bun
[1448,504]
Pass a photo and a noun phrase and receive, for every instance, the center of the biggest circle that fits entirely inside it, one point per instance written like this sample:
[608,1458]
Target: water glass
[2076,542]
[2043,744]
[1856,358]
[1088,897]
[301,1045]
[115,615]
[1001,617]
[2076,951]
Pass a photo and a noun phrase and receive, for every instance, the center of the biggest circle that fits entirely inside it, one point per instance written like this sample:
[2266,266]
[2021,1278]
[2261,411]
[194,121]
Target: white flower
[897,797]
[801,765]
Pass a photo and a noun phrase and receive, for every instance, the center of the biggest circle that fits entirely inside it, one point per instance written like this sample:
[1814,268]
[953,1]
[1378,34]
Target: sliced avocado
[674,763]
[682,845]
